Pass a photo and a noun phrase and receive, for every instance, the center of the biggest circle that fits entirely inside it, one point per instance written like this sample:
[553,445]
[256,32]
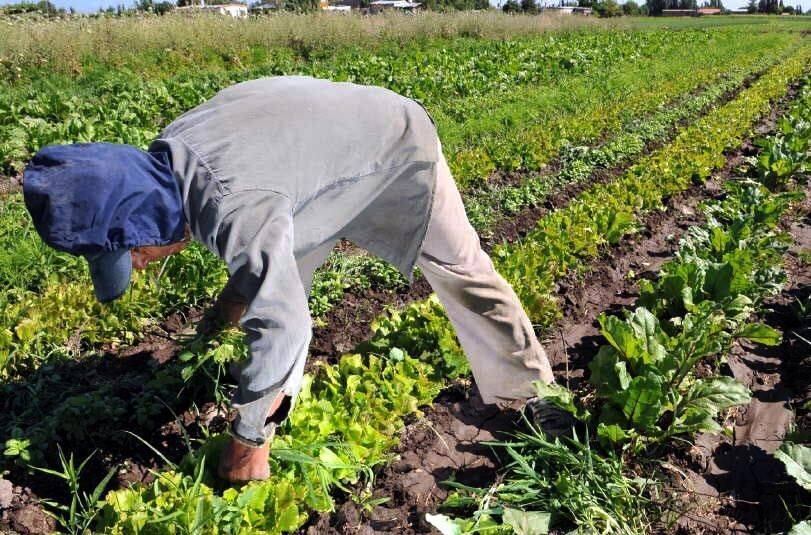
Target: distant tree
[162,8]
[798,9]
[769,6]
[44,7]
[655,7]
[529,6]
[301,6]
[607,9]
[631,8]
[511,6]
[752,6]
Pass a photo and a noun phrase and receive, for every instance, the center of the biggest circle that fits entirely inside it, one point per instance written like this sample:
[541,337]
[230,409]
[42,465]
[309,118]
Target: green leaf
[445,524]
[761,334]
[718,281]
[557,394]
[803,528]
[527,522]
[621,336]
[717,393]
[612,434]
[705,399]
[797,459]
[642,402]
[608,374]
[646,327]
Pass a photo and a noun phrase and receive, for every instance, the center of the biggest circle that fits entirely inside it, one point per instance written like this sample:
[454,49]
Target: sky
[93,5]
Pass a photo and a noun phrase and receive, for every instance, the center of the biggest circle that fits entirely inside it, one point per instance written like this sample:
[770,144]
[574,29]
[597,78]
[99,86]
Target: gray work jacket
[274,169]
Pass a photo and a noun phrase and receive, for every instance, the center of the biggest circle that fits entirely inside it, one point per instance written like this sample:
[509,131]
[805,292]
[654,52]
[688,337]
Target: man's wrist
[257,442]
[236,437]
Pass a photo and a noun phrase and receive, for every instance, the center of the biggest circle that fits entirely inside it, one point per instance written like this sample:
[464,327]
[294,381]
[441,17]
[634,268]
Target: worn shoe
[549,418]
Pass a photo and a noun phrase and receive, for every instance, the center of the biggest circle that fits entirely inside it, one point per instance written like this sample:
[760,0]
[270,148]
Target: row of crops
[520,119]
[46,298]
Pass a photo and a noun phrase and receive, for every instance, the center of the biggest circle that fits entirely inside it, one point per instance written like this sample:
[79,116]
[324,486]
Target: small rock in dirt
[401,467]
[6,493]
[464,432]
[348,515]
[384,518]
[32,520]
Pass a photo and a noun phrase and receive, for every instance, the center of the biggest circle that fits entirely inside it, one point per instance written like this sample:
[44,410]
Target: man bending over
[269,175]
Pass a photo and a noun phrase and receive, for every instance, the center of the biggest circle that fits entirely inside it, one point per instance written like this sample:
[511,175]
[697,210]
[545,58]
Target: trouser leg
[306,266]
[491,324]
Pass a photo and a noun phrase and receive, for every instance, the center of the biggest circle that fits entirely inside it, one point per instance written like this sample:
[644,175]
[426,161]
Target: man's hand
[229,312]
[240,463]
[224,313]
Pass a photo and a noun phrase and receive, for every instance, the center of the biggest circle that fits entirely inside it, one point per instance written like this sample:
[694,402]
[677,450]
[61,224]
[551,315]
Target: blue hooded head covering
[100,200]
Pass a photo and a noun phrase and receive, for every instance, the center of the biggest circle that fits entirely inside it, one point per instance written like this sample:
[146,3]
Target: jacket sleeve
[255,238]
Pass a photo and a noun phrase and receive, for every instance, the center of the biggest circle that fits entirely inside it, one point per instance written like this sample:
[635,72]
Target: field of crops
[643,187]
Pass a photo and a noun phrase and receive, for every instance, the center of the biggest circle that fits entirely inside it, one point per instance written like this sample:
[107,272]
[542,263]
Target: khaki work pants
[495,332]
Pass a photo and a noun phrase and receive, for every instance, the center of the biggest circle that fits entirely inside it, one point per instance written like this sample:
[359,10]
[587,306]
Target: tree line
[602,8]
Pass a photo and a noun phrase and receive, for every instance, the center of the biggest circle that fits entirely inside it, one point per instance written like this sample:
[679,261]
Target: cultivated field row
[654,132]
[47,298]
[349,413]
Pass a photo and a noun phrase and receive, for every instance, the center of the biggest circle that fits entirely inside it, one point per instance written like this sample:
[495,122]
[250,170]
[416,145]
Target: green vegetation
[523,110]
[567,239]
[645,380]
[423,331]
[558,86]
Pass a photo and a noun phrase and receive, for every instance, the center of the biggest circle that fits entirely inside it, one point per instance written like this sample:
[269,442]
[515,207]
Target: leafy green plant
[797,460]
[788,153]
[645,379]
[732,261]
[346,418]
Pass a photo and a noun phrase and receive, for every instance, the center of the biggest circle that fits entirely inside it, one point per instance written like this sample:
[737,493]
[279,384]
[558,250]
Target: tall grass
[141,43]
